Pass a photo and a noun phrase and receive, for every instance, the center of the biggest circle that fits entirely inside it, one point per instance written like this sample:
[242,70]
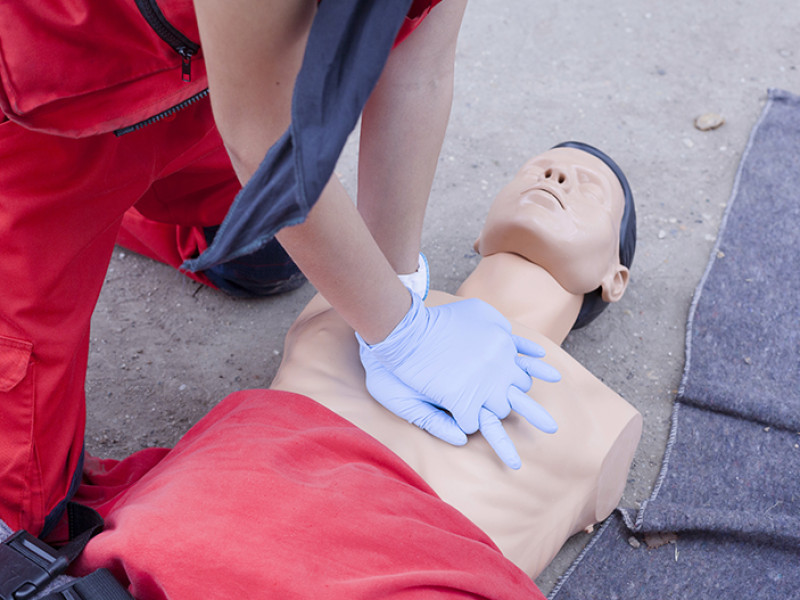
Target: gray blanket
[724,518]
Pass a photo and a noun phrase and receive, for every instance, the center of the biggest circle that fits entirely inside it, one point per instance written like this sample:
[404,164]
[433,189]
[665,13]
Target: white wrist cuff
[418,281]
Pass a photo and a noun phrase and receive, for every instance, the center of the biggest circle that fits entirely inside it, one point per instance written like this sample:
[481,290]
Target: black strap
[84,524]
[28,565]
[99,585]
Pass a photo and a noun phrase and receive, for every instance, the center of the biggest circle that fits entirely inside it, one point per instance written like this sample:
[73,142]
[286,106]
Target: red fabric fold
[272,495]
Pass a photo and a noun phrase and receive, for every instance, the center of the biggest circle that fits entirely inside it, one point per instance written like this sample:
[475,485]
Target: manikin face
[562,211]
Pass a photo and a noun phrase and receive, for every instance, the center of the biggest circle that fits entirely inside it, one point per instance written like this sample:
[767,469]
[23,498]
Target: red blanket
[273,496]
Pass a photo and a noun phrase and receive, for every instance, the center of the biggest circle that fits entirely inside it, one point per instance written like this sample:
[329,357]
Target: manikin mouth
[546,191]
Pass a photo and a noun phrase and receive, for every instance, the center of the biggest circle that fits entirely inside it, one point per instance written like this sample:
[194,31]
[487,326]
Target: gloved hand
[460,357]
[408,404]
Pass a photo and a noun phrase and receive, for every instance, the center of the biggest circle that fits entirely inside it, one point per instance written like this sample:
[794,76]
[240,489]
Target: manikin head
[569,210]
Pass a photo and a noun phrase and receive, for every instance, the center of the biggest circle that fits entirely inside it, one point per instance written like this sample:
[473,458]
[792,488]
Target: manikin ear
[614,283]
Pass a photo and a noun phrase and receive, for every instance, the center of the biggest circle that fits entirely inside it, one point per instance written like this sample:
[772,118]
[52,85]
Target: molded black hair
[593,303]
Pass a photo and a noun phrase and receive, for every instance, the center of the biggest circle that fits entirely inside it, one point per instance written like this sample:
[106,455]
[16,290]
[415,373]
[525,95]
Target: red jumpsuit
[72,73]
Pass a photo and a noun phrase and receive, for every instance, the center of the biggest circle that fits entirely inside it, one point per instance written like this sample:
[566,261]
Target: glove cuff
[401,341]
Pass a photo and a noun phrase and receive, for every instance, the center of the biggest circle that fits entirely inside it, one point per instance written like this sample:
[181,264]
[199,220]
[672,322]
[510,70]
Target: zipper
[163,114]
[181,44]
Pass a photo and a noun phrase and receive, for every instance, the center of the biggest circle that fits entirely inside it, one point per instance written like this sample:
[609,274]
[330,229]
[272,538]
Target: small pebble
[634,543]
[656,540]
[708,121]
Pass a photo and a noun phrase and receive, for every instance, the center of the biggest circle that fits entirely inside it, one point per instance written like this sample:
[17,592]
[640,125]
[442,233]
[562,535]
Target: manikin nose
[557,176]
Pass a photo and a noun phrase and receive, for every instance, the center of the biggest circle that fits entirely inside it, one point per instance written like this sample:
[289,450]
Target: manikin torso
[568,480]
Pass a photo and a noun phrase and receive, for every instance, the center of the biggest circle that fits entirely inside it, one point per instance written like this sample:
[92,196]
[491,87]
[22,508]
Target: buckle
[26,565]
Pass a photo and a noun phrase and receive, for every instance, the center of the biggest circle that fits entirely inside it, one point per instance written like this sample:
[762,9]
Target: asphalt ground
[628,77]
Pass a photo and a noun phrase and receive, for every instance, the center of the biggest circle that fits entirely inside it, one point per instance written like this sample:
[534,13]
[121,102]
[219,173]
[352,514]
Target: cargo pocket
[21,482]
[15,356]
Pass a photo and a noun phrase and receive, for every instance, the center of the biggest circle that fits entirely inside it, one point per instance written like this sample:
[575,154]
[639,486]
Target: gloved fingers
[520,378]
[537,368]
[468,423]
[526,346]
[403,401]
[498,404]
[440,424]
[532,411]
[492,430]
[409,405]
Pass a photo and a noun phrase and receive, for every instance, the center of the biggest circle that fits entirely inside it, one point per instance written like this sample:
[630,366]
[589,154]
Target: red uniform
[62,202]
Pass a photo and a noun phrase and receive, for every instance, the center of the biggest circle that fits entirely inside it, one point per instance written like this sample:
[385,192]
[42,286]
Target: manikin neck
[524,292]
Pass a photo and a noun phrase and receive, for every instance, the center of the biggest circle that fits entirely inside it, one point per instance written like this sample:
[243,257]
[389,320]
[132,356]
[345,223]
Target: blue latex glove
[462,358]
[408,404]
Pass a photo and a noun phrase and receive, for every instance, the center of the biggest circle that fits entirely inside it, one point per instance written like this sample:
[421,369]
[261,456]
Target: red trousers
[271,495]
[62,203]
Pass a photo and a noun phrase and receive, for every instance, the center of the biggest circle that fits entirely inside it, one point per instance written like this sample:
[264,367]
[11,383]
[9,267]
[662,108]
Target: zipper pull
[186,62]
